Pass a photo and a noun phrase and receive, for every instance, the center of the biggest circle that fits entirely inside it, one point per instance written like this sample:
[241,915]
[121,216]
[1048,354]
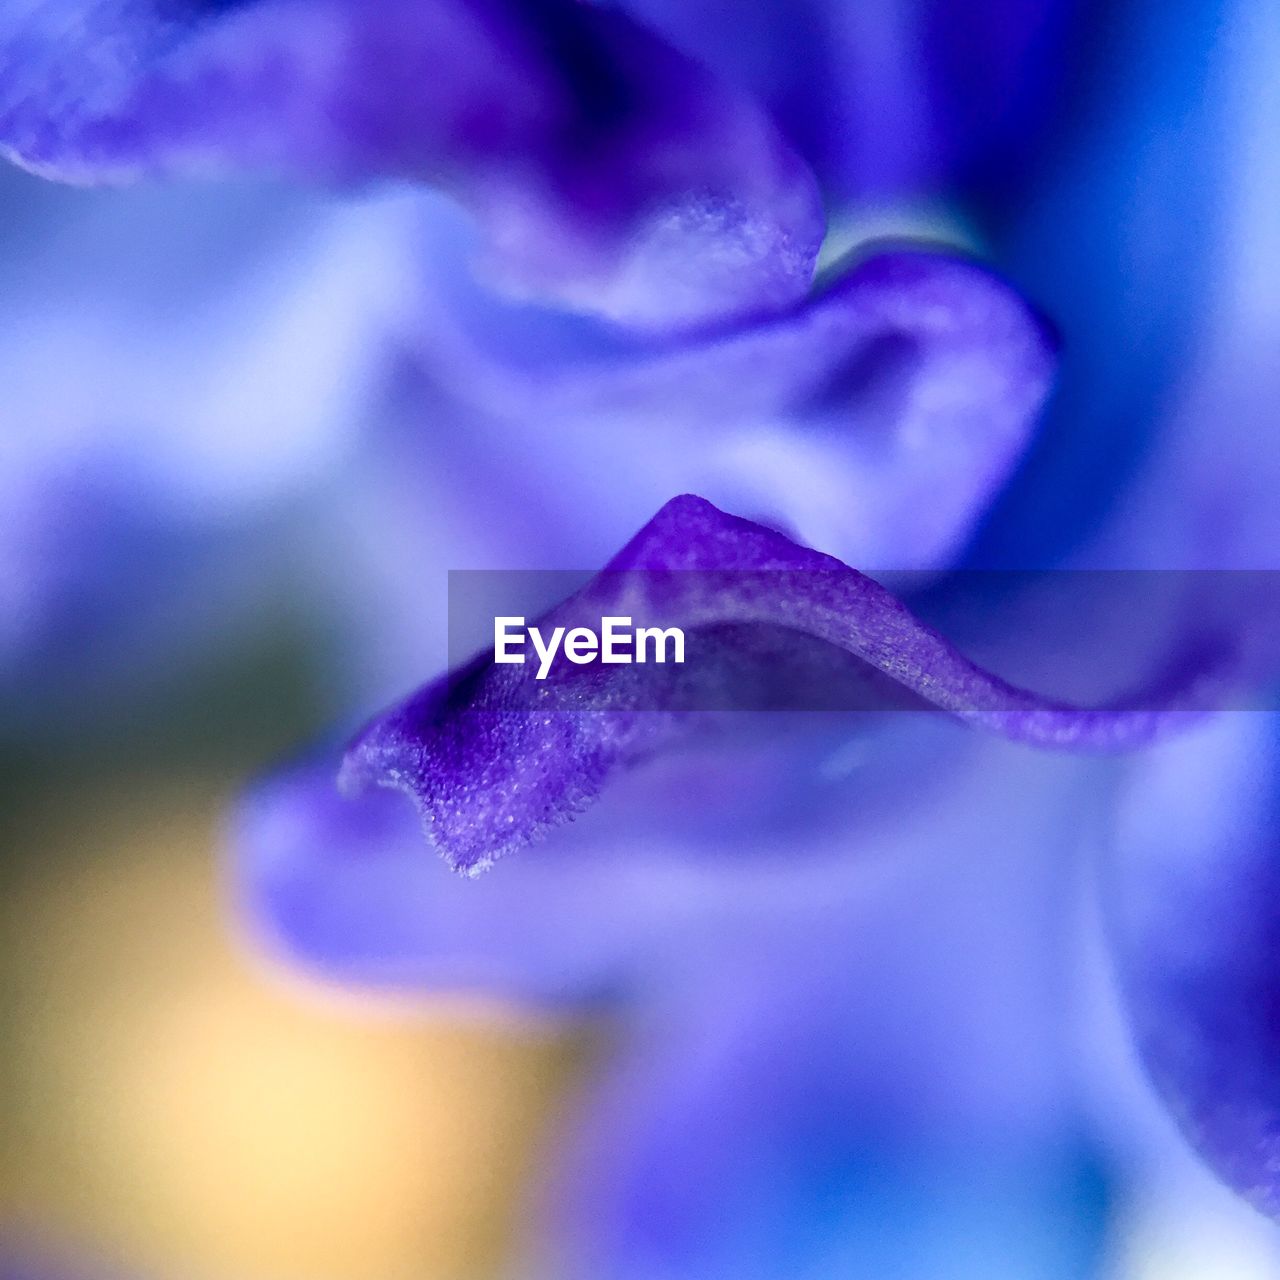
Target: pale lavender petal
[776,1123]
[878,419]
[607,169]
[342,885]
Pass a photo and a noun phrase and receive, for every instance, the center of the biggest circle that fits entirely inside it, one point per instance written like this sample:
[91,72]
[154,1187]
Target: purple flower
[769,877]
[711,888]
[780,912]
[884,98]
[1188,864]
[610,176]
[800,940]
[875,418]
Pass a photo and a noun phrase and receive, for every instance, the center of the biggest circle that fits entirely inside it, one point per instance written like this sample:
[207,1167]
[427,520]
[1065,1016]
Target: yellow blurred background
[169,1105]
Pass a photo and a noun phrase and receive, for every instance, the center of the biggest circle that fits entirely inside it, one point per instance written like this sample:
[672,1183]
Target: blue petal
[1193,890]
[886,98]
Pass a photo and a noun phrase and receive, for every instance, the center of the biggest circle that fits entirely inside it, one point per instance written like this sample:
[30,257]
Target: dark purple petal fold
[494,759]
[607,169]
[888,97]
[1193,892]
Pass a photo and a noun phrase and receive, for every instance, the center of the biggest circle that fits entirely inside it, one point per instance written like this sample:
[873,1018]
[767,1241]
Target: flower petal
[1194,900]
[343,885]
[742,1134]
[774,1096]
[607,169]
[340,885]
[1115,217]
[878,419]
[493,762]
[965,84]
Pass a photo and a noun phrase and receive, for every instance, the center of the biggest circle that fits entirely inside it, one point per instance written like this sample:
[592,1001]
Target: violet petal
[607,169]
[824,978]
[341,886]
[493,763]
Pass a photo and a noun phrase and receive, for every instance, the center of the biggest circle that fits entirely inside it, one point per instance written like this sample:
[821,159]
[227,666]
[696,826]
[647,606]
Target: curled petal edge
[494,760]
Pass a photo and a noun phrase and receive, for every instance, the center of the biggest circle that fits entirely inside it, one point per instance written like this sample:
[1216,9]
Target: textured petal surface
[606,168]
[877,419]
[688,849]
[344,885]
[493,762]
[1194,895]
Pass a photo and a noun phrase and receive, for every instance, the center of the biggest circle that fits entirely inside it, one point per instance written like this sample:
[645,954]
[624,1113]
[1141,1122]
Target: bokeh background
[201,471]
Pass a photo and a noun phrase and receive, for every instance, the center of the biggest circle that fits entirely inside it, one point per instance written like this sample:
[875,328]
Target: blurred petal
[878,419]
[734,1142]
[1205,495]
[1115,231]
[1194,896]
[776,1108]
[492,763]
[886,97]
[342,885]
[149,467]
[606,168]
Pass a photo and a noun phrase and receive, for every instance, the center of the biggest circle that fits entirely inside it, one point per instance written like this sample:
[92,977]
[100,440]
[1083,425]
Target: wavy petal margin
[608,170]
[1193,898]
[878,418]
[341,887]
[493,759]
